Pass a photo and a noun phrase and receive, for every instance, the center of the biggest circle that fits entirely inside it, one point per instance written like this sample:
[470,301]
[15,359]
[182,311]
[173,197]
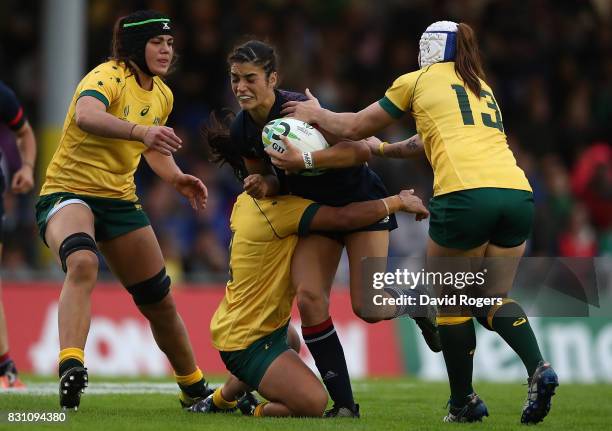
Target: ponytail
[467,61]
[217,140]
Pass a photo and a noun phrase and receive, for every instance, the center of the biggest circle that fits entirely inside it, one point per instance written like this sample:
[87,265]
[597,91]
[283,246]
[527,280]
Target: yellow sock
[221,402]
[189,379]
[259,410]
[72,353]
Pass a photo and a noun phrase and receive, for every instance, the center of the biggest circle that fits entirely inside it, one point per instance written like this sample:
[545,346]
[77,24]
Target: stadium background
[549,63]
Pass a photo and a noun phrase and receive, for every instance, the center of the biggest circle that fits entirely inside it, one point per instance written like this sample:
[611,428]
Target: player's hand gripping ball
[301,135]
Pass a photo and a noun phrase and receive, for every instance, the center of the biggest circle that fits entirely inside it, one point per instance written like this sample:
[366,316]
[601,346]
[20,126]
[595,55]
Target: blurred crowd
[548,61]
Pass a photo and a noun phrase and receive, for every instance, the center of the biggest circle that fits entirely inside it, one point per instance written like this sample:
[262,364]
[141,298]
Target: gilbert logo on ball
[301,135]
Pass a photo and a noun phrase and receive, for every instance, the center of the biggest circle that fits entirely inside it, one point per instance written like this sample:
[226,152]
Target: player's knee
[312,404]
[365,314]
[78,255]
[152,291]
[309,300]
[82,266]
[318,402]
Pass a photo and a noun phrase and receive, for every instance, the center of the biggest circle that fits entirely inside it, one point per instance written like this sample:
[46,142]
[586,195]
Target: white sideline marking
[100,388]
[103,388]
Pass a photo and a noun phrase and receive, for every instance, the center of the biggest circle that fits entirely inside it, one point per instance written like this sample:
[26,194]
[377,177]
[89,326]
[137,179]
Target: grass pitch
[399,404]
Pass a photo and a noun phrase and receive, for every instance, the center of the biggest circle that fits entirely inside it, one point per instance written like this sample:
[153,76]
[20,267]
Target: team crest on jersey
[156,121]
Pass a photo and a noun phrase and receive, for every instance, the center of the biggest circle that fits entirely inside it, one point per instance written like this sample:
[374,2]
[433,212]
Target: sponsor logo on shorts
[519,321]
[385,220]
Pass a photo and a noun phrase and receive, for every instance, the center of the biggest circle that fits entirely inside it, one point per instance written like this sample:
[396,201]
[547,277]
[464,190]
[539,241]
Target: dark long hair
[257,52]
[467,61]
[216,131]
[218,143]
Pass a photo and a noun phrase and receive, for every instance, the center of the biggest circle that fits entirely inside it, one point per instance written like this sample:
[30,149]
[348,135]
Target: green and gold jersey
[95,166]
[259,294]
[463,135]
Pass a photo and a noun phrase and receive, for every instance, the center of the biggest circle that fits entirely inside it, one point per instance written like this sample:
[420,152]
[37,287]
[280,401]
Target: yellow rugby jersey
[95,166]
[463,136]
[259,294]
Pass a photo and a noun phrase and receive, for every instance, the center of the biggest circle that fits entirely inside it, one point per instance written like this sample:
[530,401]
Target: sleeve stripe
[306,220]
[390,107]
[93,93]
[17,118]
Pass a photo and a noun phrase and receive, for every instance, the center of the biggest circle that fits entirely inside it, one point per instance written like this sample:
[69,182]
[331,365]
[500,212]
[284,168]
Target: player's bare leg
[313,269]
[136,259]
[361,245]
[235,394]
[375,244]
[70,236]
[291,388]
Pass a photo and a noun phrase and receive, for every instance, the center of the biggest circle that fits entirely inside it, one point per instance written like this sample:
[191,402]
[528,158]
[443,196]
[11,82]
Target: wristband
[381,148]
[132,131]
[308,162]
[386,206]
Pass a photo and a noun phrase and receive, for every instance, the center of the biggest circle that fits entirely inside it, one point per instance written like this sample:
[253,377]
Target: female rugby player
[482,204]
[250,325]
[13,116]
[88,201]
[253,70]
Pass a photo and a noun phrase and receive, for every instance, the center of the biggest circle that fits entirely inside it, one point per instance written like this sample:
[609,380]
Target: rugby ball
[302,135]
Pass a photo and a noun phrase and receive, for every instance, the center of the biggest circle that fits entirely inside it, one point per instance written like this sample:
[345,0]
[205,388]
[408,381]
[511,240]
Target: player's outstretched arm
[360,214]
[406,149]
[187,185]
[349,125]
[91,116]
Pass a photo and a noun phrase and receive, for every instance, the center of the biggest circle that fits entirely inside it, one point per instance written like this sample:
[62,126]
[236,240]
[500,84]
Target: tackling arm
[406,149]
[360,214]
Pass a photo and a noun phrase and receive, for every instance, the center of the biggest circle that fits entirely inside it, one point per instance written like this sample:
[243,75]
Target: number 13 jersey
[463,135]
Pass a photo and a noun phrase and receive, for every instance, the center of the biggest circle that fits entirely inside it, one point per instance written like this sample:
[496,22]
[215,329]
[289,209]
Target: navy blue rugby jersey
[11,112]
[336,187]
